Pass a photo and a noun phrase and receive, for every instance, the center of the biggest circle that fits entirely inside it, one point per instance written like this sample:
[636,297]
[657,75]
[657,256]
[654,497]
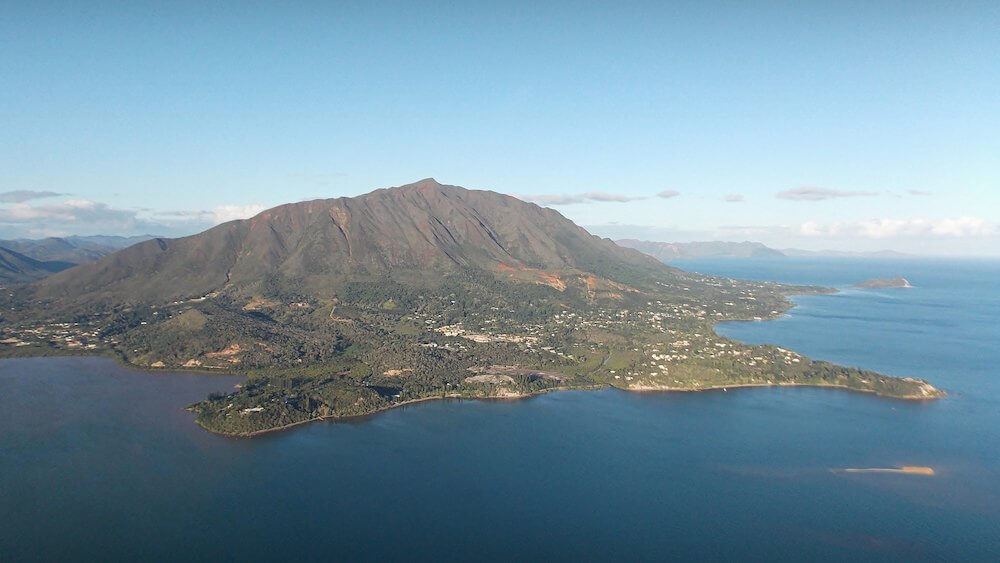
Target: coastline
[521,396]
[790,304]
[118,359]
[921,470]
[509,397]
[666,389]
[929,391]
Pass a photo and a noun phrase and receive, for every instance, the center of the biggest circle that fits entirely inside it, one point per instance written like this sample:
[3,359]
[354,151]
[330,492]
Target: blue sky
[879,122]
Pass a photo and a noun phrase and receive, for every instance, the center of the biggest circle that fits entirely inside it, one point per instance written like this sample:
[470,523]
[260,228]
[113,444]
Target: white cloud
[964,227]
[82,216]
[570,199]
[667,194]
[957,227]
[69,211]
[734,198]
[813,229]
[215,216]
[21,196]
[224,213]
[665,233]
[818,194]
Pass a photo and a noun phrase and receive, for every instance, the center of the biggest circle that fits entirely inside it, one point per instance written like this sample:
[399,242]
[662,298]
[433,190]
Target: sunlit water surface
[98,462]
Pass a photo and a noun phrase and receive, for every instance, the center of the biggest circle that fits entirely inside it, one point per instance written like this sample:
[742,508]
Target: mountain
[674,250]
[667,251]
[106,241]
[18,268]
[74,249]
[423,228]
[348,306]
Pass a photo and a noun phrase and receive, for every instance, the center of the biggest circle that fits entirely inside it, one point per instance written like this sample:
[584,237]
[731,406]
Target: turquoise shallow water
[100,462]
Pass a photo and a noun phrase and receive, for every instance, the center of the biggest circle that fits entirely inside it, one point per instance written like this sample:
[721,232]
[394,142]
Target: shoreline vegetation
[928,392]
[530,395]
[336,418]
[499,383]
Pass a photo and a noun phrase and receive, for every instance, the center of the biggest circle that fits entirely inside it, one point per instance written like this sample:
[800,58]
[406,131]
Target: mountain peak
[426,183]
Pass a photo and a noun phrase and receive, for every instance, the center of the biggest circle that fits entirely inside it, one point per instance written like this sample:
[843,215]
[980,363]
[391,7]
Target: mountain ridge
[424,225]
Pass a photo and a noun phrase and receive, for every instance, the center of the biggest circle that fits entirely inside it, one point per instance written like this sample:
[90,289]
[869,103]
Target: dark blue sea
[98,462]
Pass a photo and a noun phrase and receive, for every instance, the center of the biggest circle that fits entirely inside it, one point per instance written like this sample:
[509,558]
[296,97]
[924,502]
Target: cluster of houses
[58,335]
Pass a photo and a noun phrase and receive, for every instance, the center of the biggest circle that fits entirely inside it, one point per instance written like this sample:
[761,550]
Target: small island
[885,283]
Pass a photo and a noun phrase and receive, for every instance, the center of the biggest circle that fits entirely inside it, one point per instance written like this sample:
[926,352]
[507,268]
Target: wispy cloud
[81,216]
[21,196]
[875,228]
[214,216]
[918,192]
[819,194]
[752,228]
[570,199]
[667,194]
[74,210]
[75,216]
[665,233]
[224,213]
[734,198]
[956,227]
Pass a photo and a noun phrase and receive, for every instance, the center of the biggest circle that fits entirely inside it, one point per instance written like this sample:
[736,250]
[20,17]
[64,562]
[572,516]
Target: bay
[101,462]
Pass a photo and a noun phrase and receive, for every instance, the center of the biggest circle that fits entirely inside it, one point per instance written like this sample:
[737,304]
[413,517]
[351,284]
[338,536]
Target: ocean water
[99,462]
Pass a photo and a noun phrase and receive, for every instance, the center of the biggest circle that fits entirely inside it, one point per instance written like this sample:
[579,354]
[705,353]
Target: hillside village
[311,358]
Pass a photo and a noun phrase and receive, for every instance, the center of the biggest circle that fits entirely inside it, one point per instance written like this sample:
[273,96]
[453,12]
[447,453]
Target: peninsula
[902,470]
[349,306]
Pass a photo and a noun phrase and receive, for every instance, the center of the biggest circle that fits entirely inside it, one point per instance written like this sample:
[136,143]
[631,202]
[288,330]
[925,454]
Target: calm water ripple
[99,462]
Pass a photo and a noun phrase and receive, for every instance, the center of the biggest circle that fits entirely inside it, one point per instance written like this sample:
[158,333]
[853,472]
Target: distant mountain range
[73,249]
[18,268]
[679,250]
[25,260]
